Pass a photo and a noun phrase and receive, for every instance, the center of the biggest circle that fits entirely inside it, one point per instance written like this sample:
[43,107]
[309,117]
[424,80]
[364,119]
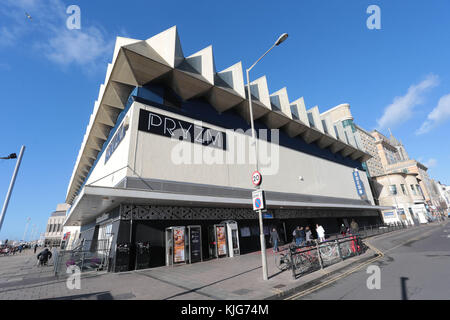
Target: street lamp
[11,156]
[13,180]
[255,143]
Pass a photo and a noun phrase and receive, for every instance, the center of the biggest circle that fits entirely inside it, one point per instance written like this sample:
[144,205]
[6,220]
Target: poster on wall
[179,245]
[389,214]
[221,241]
[195,244]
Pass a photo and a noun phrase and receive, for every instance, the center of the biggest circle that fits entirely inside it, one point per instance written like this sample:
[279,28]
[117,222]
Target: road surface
[414,265]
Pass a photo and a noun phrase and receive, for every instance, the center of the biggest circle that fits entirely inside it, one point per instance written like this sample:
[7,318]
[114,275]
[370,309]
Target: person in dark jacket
[43,256]
[297,236]
[302,236]
[35,248]
[274,239]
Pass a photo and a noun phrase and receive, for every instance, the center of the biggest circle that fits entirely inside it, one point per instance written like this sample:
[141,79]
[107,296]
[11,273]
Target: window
[413,190]
[311,120]
[420,190]
[349,122]
[393,189]
[337,132]
[105,237]
[325,128]
[403,189]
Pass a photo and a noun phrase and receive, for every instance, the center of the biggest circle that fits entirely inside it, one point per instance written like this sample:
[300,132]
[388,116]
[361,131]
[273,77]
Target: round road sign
[256,178]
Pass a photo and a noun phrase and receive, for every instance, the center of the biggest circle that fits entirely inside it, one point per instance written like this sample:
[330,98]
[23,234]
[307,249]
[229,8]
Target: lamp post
[11,185]
[255,144]
[26,229]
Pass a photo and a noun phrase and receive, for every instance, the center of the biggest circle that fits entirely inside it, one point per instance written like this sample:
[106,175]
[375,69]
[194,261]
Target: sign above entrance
[258,199]
[256,178]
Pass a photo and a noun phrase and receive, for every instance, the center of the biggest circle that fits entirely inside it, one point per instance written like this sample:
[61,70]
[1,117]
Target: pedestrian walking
[354,227]
[274,239]
[35,248]
[302,236]
[297,236]
[308,235]
[320,233]
[43,256]
[20,248]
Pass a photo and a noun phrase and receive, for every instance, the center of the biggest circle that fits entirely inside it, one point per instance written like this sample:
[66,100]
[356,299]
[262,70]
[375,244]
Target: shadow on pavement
[404,288]
[105,295]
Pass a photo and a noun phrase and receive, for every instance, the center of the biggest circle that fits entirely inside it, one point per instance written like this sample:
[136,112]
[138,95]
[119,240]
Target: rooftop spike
[299,106]
[233,77]
[120,42]
[203,63]
[260,91]
[167,44]
[279,100]
[229,90]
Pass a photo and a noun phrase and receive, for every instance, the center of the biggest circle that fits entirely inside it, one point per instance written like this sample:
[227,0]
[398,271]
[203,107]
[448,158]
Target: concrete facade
[400,191]
[55,223]
[169,144]
[341,117]
[426,184]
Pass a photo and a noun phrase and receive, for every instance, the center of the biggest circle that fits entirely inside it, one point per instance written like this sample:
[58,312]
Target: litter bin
[122,257]
[142,255]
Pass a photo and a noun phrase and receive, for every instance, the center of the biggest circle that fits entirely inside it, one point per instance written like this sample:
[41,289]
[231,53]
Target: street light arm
[248,70]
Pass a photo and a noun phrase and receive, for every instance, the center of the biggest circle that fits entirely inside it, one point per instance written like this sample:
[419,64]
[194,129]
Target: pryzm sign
[359,184]
[174,128]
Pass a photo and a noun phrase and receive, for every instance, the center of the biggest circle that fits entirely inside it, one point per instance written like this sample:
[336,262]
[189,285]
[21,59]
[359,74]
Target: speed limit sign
[256,178]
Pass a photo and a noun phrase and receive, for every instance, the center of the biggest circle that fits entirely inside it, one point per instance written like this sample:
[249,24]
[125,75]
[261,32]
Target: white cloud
[438,115]
[401,109]
[82,47]
[430,163]
[48,35]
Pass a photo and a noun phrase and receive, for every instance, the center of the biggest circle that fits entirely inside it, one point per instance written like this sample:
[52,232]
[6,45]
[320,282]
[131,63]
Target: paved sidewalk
[222,279]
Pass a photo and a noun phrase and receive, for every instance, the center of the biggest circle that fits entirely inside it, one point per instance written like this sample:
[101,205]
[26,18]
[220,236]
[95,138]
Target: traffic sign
[256,178]
[258,199]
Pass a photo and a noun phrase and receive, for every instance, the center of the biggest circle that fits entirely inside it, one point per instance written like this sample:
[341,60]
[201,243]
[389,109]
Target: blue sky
[397,77]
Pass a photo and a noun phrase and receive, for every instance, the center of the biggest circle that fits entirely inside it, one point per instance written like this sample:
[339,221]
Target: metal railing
[308,259]
[369,231]
[316,256]
[87,256]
